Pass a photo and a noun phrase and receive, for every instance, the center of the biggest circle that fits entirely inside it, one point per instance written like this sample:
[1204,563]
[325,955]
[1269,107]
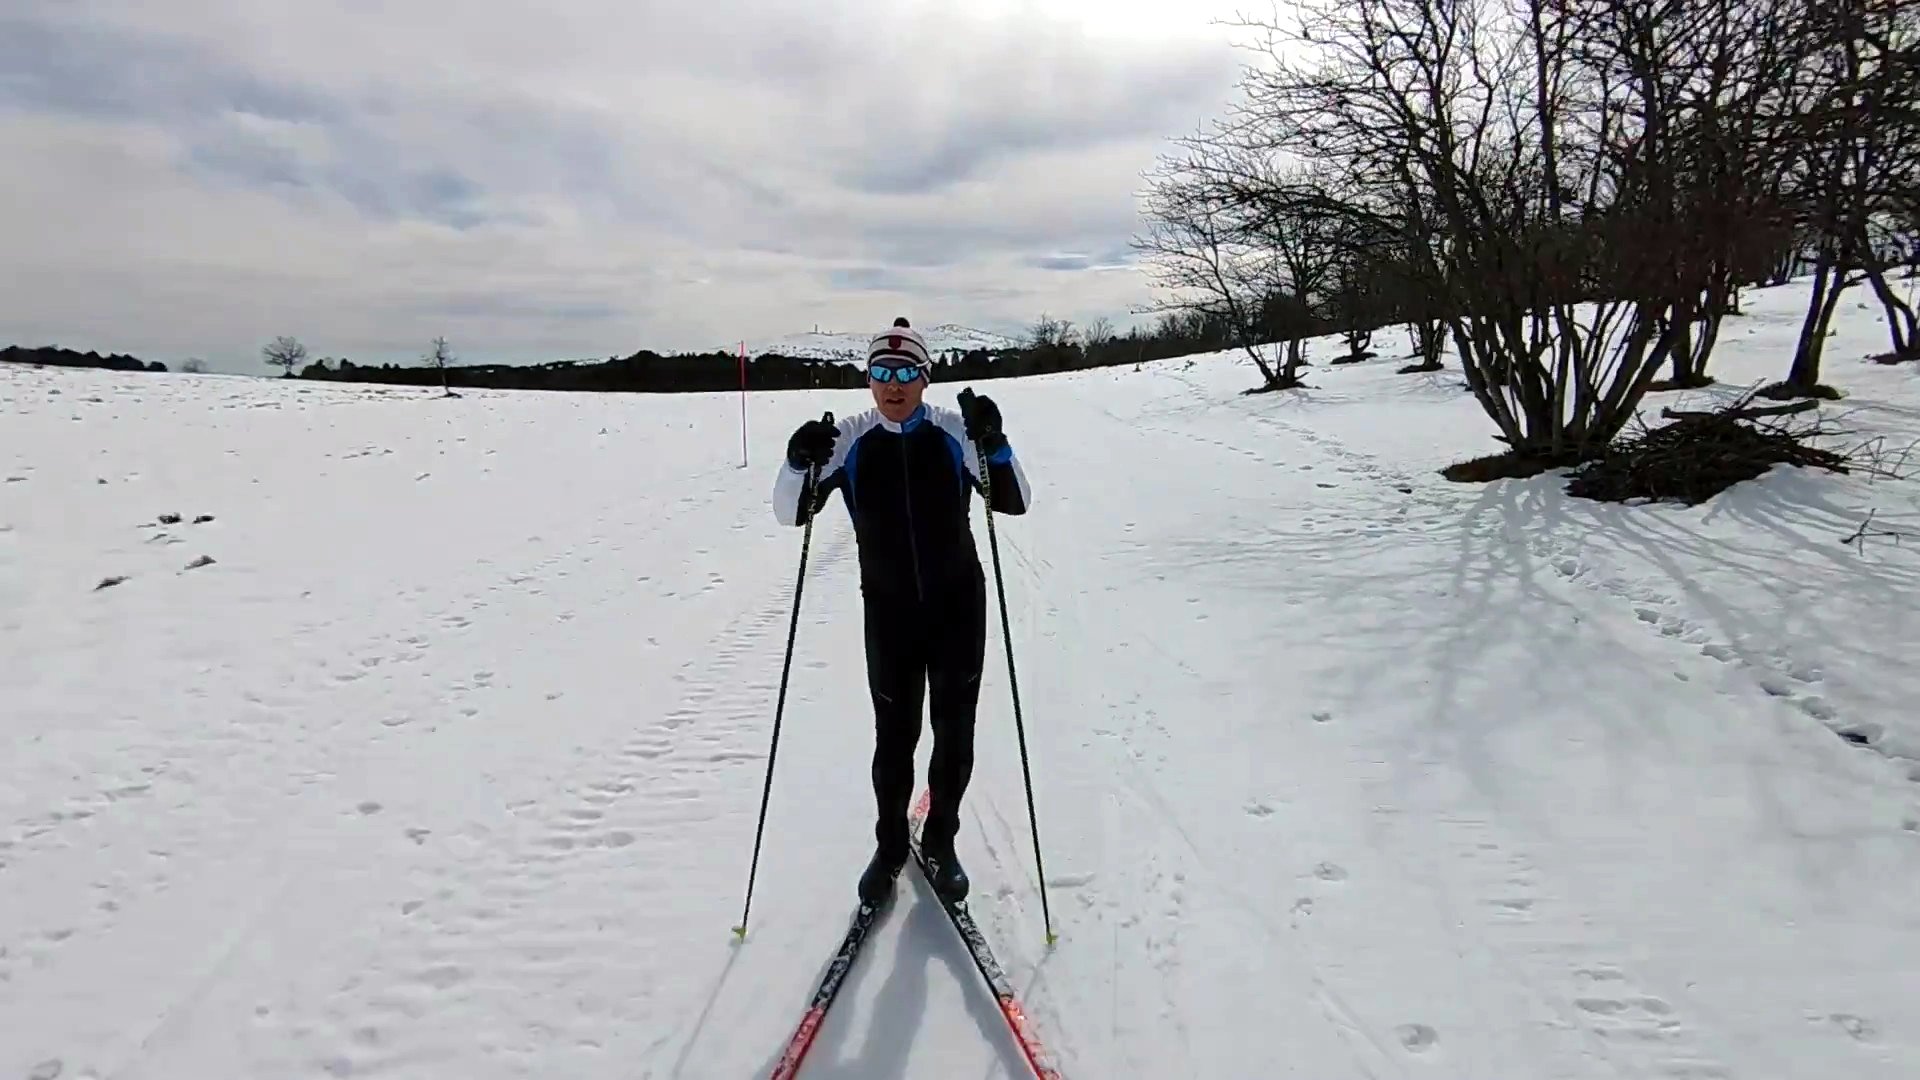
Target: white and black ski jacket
[908,488]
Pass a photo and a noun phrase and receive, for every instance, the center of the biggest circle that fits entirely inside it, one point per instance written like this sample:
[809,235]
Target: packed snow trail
[448,763]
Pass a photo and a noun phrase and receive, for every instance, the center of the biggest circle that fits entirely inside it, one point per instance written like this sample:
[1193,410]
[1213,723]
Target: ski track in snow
[1371,1052]
[449,763]
[479,929]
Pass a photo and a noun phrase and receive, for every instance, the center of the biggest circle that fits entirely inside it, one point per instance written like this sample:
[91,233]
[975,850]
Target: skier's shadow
[900,1008]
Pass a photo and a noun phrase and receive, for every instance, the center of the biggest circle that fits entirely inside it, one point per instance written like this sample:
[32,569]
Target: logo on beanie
[898,342]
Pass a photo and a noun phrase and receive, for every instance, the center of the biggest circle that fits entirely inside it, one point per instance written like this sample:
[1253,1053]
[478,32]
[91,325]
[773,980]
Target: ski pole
[1006,634]
[780,706]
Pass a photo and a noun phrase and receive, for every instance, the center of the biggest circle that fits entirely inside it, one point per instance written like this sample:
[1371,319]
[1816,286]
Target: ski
[863,919]
[983,959]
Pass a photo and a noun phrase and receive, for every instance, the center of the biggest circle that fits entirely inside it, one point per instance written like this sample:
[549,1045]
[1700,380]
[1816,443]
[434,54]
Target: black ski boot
[876,883]
[944,873]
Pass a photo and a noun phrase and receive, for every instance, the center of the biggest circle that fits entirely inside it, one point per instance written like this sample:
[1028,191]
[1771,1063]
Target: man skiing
[907,472]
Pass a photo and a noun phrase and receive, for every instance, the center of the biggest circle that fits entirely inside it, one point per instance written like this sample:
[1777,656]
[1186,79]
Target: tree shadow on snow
[1764,567]
[1441,616]
[1810,566]
[1480,636]
[1507,604]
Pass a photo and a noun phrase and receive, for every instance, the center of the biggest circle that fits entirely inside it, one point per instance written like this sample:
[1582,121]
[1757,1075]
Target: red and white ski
[983,959]
[864,918]
[802,1040]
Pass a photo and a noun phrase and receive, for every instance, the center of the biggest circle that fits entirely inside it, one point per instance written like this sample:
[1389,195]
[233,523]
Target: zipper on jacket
[913,538]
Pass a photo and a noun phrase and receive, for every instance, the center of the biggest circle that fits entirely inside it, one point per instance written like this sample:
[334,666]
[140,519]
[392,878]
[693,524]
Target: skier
[907,472]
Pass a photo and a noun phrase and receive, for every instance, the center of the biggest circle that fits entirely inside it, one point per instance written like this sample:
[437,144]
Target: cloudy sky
[581,179]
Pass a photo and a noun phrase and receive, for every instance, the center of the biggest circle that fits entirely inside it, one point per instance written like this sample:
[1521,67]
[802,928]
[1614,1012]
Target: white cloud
[582,181]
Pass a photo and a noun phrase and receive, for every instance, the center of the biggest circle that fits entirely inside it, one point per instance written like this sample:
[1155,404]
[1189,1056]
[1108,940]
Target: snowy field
[447,765]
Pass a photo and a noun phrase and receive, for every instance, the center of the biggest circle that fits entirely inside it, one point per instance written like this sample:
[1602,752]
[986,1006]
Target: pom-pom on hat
[900,344]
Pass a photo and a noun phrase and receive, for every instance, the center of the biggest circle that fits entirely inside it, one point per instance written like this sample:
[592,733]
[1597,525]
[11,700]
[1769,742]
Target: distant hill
[852,344]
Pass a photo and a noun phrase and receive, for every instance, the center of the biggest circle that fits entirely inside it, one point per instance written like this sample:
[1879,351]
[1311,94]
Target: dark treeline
[1051,345]
[52,356]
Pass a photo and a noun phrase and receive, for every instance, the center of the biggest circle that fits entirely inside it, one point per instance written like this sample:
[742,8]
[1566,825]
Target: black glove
[982,418]
[812,444]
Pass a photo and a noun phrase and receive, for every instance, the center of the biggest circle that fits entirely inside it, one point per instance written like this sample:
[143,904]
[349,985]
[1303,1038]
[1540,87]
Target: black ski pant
[925,652]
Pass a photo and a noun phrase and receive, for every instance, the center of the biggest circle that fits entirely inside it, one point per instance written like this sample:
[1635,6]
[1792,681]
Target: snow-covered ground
[852,345]
[448,764]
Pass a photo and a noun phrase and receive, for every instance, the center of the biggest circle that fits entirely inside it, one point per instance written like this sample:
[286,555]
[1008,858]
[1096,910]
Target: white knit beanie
[901,343]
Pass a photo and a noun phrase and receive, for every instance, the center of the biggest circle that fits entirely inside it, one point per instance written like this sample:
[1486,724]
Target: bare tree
[193,365]
[1235,240]
[1709,85]
[1099,332]
[1886,37]
[285,353]
[1882,251]
[1193,247]
[1371,284]
[1855,161]
[1048,332]
[1909,232]
[441,357]
[1568,187]
[1308,248]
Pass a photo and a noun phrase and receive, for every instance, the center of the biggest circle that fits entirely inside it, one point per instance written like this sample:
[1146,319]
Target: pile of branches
[1701,454]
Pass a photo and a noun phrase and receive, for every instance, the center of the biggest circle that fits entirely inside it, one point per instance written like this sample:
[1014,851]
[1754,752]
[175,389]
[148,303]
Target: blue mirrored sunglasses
[905,373]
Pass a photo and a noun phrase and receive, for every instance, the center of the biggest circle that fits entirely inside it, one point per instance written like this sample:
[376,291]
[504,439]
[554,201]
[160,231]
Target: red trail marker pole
[743,404]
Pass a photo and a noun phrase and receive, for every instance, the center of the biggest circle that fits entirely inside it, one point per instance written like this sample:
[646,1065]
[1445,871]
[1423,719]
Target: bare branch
[1858,539]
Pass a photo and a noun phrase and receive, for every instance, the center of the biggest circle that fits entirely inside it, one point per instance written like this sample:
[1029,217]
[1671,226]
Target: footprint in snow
[1806,673]
[1615,1007]
[444,976]
[1818,708]
[1860,1029]
[1418,1038]
[1327,871]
